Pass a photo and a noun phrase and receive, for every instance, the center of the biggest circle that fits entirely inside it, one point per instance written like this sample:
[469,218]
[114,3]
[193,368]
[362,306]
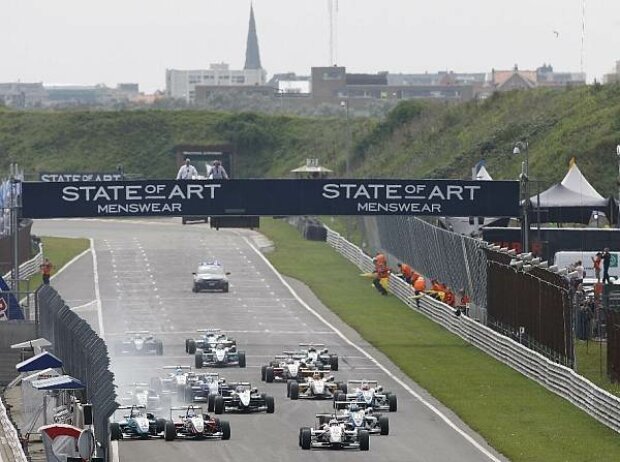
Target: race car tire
[225,289]
[159,349]
[218,405]
[198,359]
[210,403]
[294,391]
[364,440]
[343,387]
[333,362]
[160,425]
[305,438]
[241,358]
[115,431]
[190,346]
[170,431]
[288,387]
[271,404]
[262,373]
[339,396]
[384,425]
[393,402]
[300,436]
[225,426]
[186,345]
[269,375]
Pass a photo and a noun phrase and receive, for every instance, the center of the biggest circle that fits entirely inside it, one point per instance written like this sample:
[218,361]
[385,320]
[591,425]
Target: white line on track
[97,293]
[412,392]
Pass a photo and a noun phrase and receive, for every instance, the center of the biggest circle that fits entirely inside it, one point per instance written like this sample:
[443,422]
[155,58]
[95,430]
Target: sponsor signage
[75,177]
[271,197]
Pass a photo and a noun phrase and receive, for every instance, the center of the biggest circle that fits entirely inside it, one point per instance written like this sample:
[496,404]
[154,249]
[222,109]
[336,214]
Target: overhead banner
[271,197]
[87,176]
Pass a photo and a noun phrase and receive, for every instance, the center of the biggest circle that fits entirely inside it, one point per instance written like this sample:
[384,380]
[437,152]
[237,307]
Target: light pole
[525,194]
[345,105]
[618,182]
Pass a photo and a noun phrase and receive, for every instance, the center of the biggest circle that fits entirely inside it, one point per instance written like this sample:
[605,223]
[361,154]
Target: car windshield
[204,270]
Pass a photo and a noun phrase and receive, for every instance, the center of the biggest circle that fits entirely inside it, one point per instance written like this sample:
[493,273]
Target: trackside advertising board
[271,197]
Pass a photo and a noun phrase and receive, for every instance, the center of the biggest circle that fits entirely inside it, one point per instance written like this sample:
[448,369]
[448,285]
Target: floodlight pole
[525,192]
[618,183]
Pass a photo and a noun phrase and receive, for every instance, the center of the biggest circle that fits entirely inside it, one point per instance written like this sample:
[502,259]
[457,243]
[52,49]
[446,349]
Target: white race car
[333,434]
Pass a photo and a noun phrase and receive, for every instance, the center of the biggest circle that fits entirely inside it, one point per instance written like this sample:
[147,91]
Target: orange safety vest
[449,298]
[382,271]
[46,269]
[419,284]
[380,260]
[406,270]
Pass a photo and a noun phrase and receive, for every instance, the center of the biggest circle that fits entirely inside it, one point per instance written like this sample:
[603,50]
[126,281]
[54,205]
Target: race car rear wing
[372,383]
[319,345]
[185,408]
[209,331]
[189,368]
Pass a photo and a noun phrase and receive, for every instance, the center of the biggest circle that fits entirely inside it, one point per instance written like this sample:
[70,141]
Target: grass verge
[515,415]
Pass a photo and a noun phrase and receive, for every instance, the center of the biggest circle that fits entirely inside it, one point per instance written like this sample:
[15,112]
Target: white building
[182,84]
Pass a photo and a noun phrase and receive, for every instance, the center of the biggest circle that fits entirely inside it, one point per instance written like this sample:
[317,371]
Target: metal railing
[30,267]
[84,355]
[561,380]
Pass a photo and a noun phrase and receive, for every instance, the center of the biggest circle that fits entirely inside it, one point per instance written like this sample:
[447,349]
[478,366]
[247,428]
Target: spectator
[187,171]
[46,271]
[462,303]
[448,297]
[379,260]
[406,272]
[606,257]
[596,261]
[578,268]
[419,286]
[217,171]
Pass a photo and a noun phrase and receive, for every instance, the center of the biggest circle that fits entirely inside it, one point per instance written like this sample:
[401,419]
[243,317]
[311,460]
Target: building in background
[613,77]
[544,76]
[22,95]
[181,84]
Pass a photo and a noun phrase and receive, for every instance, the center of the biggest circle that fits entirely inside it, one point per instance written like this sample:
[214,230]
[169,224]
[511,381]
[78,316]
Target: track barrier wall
[84,354]
[559,379]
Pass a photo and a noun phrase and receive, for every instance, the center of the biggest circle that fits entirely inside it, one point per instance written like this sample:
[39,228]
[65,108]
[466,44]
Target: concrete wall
[12,332]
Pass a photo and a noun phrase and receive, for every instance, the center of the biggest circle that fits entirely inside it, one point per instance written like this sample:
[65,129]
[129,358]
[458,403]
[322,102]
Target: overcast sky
[112,41]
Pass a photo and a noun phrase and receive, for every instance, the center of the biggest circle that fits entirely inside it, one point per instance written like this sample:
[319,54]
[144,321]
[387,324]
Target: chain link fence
[84,354]
[532,308]
[613,345]
[451,258]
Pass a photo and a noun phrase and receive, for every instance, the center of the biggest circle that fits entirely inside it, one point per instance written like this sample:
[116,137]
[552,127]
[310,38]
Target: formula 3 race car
[319,356]
[192,423]
[285,367]
[333,434]
[172,382]
[370,394]
[241,397]
[137,423]
[220,356]
[208,340]
[201,386]
[359,416]
[139,342]
[142,395]
[317,386]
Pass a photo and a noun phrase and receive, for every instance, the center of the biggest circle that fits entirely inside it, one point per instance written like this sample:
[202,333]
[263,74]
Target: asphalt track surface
[144,281]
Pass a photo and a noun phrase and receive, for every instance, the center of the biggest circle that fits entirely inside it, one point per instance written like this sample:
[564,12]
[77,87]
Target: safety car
[210,275]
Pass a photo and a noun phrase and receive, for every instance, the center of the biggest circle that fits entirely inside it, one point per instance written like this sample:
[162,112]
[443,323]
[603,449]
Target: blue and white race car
[137,423]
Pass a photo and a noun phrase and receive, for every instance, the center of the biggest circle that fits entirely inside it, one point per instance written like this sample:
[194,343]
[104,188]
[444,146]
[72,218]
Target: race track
[144,281]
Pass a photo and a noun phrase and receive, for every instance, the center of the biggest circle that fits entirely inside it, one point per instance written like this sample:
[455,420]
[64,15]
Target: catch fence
[84,355]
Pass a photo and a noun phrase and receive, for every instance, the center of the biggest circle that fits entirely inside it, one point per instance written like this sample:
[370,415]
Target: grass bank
[515,415]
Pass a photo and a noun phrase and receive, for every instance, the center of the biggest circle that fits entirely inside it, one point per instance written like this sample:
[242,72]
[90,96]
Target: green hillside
[416,140]
[441,141]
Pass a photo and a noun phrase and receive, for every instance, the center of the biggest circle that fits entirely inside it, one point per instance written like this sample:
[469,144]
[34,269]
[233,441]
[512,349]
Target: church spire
[252,55]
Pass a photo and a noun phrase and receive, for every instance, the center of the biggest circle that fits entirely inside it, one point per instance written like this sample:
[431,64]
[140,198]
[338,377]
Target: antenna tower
[332,6]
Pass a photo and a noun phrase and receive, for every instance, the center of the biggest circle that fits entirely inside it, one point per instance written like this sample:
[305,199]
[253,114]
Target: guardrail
[30,267]
[561,380]
[11,437]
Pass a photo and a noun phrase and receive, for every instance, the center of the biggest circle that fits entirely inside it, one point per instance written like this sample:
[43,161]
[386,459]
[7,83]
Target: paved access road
[144,281]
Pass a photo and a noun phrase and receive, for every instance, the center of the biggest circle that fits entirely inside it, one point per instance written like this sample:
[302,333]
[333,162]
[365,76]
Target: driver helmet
[365,386]
[316,376]
[191,413]
[240,388]
[219,346]
[354,407]
[312,349]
